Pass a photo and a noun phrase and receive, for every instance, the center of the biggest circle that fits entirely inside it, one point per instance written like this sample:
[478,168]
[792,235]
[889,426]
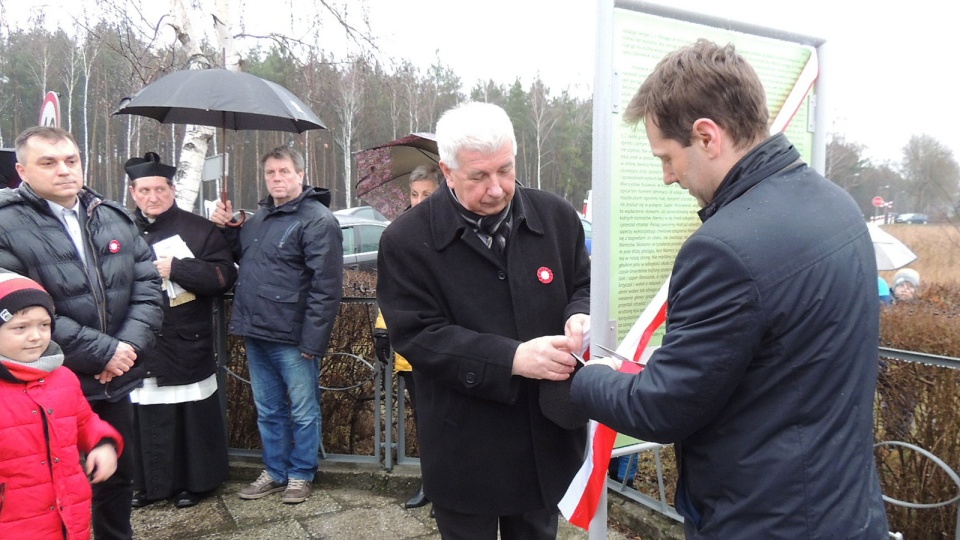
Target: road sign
[878,201]
[50,110]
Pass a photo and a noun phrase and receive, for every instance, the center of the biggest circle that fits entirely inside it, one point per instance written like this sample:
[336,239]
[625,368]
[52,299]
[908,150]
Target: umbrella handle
[223,197]
[243,215]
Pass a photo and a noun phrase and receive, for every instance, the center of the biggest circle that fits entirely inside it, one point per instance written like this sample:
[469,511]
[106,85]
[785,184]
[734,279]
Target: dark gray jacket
[766,376]
[291,272]
[122,304]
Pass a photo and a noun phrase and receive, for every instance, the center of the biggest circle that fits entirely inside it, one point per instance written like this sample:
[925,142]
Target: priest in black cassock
[181,446]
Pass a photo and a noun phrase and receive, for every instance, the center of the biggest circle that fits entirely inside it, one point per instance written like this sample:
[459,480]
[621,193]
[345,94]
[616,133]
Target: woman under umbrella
[424,180]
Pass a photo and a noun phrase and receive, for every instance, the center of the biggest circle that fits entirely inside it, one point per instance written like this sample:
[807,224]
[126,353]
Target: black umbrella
[224,99]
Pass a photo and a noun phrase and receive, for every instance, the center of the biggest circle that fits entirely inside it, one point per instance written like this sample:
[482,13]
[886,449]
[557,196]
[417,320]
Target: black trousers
[537,525]
[411,389]
[112,498]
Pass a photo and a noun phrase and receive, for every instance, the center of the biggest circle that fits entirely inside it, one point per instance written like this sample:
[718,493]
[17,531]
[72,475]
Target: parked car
[911,218]
[588,234]
[361,241]
[365,212]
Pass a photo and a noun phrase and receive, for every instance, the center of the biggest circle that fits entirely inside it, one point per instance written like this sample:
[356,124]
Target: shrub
[346,374]
[920,404]
[916,403]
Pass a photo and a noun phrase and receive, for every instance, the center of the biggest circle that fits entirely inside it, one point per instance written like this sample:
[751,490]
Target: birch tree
[347,104]
[542,121]
[196,139]
[88,54]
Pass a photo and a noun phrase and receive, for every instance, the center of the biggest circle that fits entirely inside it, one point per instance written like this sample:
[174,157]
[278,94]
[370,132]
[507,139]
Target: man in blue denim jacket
[286,300]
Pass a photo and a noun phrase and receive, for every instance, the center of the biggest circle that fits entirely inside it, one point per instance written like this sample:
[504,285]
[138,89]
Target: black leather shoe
[418,499]
[139,501]
[186,499]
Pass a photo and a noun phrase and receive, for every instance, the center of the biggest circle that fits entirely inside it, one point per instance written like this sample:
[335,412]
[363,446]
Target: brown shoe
[261,487]
[297,491]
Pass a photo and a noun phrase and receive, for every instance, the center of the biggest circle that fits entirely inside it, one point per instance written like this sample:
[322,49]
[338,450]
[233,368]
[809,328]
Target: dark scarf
[493,229]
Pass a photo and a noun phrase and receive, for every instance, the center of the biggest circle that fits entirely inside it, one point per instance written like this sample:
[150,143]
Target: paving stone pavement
[349,501]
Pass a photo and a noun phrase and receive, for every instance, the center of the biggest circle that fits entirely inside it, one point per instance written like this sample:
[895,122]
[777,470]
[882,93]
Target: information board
[641,222]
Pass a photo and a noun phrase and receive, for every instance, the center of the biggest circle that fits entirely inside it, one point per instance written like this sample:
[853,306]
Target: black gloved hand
[381,345]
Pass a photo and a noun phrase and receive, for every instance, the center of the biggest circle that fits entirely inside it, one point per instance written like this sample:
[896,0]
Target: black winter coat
[765,379]
[458,315]
[184,350]
[92,318]
[291,272]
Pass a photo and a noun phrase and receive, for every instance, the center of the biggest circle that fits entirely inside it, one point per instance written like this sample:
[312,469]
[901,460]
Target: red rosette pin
[545,275]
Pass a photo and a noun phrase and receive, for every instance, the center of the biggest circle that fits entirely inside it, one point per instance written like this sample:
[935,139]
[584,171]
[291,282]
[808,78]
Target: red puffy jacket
[43,485]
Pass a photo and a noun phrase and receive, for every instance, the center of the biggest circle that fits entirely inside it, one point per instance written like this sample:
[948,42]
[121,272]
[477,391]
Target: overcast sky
[891,68]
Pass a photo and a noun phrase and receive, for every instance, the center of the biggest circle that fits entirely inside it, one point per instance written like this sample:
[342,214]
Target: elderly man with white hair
[485,288]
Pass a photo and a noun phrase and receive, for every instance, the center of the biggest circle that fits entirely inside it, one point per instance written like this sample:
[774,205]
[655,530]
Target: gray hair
[426,172]
[476,126]
[285,152]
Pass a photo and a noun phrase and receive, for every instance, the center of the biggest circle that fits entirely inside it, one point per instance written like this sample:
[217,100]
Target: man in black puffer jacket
[766,376]
[88,254]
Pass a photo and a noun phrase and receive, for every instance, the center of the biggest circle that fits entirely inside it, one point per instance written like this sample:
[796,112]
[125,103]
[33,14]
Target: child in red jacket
[45,424]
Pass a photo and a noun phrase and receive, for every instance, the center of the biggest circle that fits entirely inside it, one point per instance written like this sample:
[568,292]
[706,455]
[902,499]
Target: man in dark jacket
[485,289]
[286,301]
[181,445]
[88,254]
[765,379]
[8,168]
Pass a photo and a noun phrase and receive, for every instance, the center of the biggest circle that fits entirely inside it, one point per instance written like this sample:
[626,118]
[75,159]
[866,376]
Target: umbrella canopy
[224,99]
[384,171]
[891,253]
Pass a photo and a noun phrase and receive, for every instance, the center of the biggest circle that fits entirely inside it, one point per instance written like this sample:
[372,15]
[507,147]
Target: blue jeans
[286,391]
[627,468]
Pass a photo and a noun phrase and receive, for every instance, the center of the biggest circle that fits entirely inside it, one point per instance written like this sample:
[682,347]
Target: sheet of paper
[174,247]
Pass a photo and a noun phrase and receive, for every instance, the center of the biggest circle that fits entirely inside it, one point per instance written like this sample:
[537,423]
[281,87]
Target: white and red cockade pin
[544,274]
[114,246]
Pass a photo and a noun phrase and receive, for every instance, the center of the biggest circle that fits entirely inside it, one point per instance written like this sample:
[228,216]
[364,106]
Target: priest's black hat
[148,165]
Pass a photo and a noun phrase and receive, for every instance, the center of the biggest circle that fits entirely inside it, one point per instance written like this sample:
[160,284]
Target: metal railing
[377,375]
[930,360]
[660,505]
[392,436]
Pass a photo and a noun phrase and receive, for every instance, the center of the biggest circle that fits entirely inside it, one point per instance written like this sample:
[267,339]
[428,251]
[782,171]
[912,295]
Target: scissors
[612,353]
[615,354]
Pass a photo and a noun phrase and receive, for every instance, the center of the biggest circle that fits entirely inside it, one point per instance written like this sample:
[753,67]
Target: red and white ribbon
[582,498]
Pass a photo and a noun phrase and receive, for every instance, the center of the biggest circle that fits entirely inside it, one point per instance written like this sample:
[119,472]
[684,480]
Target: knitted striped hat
[18,292]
